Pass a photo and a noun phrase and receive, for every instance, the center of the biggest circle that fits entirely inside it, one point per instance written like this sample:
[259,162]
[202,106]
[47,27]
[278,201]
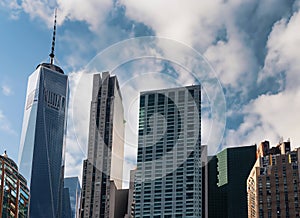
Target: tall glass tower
[42,145]
[104,164]
[72,183]
[168,180]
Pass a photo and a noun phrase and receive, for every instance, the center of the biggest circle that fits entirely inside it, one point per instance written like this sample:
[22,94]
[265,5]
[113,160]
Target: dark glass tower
[169,166]
[41,154]
[104,164]
[228,173]
[72,183]
[42,145]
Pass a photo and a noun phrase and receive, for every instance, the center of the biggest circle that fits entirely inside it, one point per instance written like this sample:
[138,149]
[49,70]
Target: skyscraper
[169,167]
[273,183]
[103,167]
[14,193]
[41,157]
[66,211]
[228,173]
[72,183]
[42,145]
[131,196]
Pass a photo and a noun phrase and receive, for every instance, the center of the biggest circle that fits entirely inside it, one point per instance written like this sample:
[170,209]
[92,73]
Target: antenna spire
[53,38]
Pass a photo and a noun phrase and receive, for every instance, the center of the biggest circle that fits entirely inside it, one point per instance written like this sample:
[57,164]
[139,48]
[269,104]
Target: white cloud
[189,22]
[269,117]
[5,125]
[6,90]
[13,6]
[233,62]
[274,116]
[93,12]
[1,116]
[283,54]
[78,10]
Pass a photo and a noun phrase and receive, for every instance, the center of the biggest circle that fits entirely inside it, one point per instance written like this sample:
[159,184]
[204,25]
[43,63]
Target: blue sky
[251,44]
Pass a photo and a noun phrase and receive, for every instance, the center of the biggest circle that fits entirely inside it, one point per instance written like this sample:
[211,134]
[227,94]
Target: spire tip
[53,38]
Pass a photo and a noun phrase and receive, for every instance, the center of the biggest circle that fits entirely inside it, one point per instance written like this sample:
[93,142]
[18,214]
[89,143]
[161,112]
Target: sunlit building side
[273,183]
[14,193]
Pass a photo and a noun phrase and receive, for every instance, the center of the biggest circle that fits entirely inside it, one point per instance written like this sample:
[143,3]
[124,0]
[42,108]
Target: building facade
[14,193]
[66,204]
[228,173]
[273,183]
[216,195]
[131,196]
[168,180]
[73,185]
[42,145]
[105,147]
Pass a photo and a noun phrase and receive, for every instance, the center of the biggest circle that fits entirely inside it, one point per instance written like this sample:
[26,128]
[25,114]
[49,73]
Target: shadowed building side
[228,173]
[72,183]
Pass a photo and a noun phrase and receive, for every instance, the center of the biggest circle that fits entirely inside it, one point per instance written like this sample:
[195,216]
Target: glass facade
[72,183]
[66,204]
[14,193]
[230,172]
[41,153]
[168,180]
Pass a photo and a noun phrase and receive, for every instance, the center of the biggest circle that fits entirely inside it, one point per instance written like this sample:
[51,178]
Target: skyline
[257,65]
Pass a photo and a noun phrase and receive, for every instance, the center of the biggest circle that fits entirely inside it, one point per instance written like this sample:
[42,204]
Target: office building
[14,193]
[168,180]
[103,168]
[118,201]
[131,195]
[42,145]
[73,185]
[66,204]
[273,183]
[228,173]
[216,195]
[41,156]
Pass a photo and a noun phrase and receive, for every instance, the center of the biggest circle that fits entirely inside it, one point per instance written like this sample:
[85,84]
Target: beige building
[273,183]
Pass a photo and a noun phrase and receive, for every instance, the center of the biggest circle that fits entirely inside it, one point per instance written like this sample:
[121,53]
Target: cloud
[92,12]
[75,10]
[272,116]
[6,90]
[186,22]
[13,7]
[5,125]
[283,55]
[233,61]
[269,117]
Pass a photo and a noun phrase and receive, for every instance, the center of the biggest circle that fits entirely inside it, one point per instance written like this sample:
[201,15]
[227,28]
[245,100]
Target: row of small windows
[54,100]
[161,98]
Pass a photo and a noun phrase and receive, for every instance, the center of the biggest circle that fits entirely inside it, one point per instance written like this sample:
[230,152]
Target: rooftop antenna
[53,38]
